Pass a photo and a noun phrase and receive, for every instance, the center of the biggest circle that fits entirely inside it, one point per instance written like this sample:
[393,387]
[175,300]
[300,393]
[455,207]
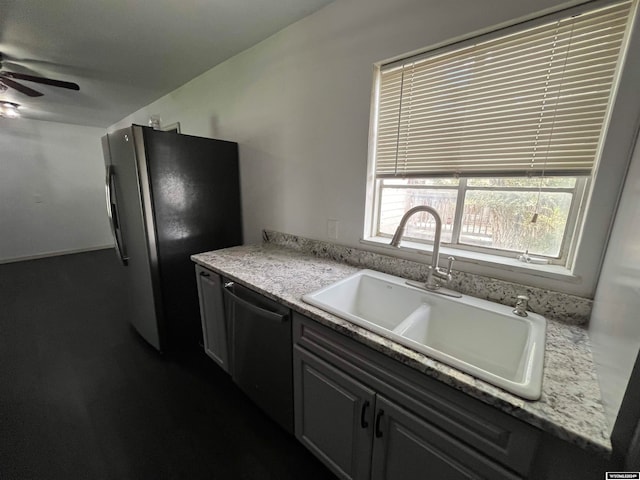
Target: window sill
[475,262]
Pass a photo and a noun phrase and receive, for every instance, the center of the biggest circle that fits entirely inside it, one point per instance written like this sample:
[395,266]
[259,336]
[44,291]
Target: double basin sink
[484,339]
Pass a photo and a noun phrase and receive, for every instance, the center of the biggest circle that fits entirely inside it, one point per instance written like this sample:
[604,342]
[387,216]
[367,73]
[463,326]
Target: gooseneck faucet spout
[436,276]
[397,236]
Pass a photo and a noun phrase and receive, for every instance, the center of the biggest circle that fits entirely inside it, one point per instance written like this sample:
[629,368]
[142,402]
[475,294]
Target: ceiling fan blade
[43,80]
[21,88]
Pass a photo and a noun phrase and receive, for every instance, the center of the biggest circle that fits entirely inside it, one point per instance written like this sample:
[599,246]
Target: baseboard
[53,254]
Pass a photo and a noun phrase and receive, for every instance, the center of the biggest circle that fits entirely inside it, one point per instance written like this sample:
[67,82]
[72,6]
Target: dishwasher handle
[269,315]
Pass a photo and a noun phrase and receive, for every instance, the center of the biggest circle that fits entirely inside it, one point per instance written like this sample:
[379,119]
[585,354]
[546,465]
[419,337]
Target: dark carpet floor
[83,397]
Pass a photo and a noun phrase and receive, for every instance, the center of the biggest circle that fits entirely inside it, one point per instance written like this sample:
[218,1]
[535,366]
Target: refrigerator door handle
[112,212]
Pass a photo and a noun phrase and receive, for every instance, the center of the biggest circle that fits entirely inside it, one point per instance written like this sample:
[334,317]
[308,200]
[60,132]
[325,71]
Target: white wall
[51,189]
[615,322]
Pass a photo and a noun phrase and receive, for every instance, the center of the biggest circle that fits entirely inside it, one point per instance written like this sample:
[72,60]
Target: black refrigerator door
[195,190]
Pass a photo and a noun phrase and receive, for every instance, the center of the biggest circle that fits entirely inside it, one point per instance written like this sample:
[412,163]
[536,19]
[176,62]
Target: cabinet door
[334,415]
[214,328]
[406,447]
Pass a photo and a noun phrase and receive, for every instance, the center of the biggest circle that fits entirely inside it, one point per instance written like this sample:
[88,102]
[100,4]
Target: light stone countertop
[569,408]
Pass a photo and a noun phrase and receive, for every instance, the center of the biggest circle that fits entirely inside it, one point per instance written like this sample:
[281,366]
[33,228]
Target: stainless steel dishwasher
[261,346]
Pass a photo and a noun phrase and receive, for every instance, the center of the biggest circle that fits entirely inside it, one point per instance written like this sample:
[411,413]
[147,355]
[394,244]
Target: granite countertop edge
[570,407]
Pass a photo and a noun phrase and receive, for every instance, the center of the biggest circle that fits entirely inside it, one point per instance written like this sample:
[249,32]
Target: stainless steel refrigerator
[169,196]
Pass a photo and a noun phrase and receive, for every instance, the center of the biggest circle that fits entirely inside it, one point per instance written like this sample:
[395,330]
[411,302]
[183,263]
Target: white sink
[479,337]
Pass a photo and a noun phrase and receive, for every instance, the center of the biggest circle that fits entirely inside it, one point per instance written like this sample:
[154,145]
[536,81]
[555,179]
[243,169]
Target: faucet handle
[521,305]
[440,274]
[450,266]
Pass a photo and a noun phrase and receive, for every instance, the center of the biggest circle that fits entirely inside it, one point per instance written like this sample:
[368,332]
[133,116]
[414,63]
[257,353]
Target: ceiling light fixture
[9,109]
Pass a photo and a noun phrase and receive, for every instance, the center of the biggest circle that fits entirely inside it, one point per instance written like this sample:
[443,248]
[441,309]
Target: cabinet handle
[363,422]
[204,274]
[378,419]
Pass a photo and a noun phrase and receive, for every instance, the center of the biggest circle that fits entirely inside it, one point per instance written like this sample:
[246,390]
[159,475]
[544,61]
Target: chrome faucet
[435,276]
[521,306]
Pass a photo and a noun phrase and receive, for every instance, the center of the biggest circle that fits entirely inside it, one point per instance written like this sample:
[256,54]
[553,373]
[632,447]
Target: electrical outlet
[332,229]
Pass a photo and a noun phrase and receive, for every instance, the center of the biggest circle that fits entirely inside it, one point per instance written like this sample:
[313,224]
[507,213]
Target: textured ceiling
[125,54]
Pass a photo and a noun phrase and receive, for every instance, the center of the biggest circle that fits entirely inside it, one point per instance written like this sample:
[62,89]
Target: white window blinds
[533,102]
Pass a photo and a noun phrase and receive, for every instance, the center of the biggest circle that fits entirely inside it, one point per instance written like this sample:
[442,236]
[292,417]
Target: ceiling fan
[8,79]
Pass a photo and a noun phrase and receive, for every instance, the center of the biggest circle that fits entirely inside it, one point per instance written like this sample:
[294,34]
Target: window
[501,134]
[486,214]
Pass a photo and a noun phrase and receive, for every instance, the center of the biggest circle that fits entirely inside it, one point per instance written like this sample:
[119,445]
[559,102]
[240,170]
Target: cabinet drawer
[480,426]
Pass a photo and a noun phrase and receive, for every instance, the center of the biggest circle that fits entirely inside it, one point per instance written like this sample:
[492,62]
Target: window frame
[579,192]
[584,259]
